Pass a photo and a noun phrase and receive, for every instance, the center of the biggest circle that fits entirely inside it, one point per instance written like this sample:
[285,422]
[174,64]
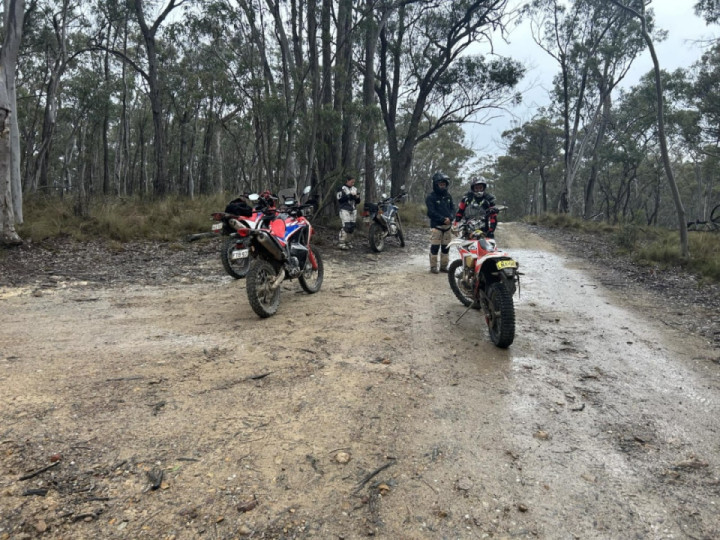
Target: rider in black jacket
[475,204]
[440,210]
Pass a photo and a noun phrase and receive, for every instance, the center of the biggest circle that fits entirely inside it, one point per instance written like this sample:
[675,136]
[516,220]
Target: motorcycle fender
[487,263]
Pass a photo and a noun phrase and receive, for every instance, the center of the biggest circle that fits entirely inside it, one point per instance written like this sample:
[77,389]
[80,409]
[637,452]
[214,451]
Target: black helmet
[440,177]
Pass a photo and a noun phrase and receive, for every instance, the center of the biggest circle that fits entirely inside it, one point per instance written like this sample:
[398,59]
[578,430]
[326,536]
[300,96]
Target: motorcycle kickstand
[464,312]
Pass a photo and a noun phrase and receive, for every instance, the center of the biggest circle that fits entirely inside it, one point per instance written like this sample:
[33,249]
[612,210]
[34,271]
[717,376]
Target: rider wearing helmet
[266,200]
[475,204]
[348,198]
[440,209]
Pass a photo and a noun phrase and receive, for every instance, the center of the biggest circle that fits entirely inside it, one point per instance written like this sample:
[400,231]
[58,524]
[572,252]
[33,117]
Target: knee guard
[435,249]
[445,250]
[349,227]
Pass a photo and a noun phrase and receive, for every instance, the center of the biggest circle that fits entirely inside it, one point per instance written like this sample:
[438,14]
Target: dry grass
[652,245]
[121,219]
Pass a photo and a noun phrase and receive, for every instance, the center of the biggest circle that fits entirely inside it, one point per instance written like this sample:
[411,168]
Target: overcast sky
[680,49]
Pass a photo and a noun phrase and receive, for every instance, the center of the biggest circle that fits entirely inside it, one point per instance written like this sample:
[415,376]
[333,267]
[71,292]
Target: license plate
[217,227]
[240,254]
[506,264]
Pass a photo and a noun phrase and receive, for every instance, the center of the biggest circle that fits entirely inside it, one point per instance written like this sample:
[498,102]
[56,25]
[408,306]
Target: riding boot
[433,263]
[348,240]
[343,237]
[444,260]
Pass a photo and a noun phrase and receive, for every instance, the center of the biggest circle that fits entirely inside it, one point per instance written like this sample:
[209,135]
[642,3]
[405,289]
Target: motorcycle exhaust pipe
[270,245]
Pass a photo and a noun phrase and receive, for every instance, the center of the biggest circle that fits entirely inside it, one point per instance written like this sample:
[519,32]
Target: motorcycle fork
[313,261]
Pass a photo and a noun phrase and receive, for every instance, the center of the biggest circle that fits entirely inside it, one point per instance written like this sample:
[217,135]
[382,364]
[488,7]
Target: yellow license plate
[506,264]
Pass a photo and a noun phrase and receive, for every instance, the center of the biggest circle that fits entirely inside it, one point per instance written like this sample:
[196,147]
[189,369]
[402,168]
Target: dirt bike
[246,211]
[280,248]
[485,278]
[384,221]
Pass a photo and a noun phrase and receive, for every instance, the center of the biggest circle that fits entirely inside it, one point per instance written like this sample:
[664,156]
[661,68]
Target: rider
[440,210]
[348,198]
[475,204]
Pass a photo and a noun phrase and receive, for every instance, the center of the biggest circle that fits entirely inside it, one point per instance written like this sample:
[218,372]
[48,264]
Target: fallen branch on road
[371,475]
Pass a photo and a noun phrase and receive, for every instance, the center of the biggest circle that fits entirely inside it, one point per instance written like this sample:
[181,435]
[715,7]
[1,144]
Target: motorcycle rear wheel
[376,237]
[501,318]
[461,291]
[263,300]
[238,268]
[311,280]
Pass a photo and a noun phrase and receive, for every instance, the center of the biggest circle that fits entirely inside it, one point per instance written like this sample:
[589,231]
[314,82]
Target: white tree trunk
[10,192]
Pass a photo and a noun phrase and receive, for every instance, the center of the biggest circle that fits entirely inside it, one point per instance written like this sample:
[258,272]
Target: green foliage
[413,215]
[120,220]
[709,10]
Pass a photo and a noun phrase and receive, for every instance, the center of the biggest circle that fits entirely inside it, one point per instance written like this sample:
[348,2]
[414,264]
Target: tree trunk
[81,202]
[682,219]
[13,24]
[160,183]
[105,128]
[369,104]
[590,186]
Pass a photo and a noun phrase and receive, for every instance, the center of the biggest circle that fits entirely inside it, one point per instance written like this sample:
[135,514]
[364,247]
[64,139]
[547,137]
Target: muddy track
[142,398]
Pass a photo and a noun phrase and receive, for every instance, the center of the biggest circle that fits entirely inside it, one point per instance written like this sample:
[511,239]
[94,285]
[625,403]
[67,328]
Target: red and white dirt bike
[280,248]
[485,278]
[247,211]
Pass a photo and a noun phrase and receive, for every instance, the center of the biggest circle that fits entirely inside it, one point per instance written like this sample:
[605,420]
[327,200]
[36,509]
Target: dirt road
[170,410]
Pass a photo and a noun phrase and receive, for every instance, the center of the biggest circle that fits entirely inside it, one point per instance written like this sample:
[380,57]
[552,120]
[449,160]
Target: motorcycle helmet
[268,198]
[440,177]
[478,181]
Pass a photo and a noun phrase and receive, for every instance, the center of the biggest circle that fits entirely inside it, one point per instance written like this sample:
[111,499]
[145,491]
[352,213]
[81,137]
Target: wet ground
[158,405]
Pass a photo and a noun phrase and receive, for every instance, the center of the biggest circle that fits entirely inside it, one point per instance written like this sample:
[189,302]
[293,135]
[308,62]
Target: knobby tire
[501,320]
[311,279]
[263,300]
[455,272]
[237,270]
[376,237]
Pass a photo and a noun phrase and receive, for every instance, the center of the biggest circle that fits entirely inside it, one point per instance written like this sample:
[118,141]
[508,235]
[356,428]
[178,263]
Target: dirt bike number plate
[217,226]
[506,264]
[239,254]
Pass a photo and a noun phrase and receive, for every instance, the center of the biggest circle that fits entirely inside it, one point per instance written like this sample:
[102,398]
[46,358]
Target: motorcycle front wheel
[236,268]
[263,300]
[311,279]
[459,288]
[376,237]
[400,235]
[501,317]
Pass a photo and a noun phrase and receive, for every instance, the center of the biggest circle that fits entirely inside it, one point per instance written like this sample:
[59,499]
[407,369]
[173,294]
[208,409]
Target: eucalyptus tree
[709,10]
[705,94]
[630,172]
[425,71]
[637,9]
[56,36]
[535,147]
[444,150]
[153,76]
[594,46]
[10,191]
